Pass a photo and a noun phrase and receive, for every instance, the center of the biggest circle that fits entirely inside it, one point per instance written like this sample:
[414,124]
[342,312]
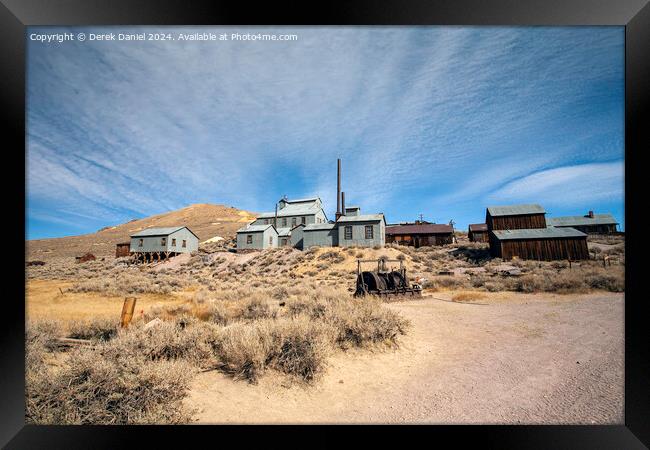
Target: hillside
[205,220]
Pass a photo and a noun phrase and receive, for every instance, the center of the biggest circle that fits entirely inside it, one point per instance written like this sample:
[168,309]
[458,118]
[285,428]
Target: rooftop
[319,226]
[515,210]
[570,221]
[362,218]
[538,233]
[478,227]
[425,228]
[286,231]
[300,207]
[254,228]
[157,231]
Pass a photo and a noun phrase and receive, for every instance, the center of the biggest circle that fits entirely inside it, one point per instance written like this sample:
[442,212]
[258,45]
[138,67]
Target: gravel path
[522,359]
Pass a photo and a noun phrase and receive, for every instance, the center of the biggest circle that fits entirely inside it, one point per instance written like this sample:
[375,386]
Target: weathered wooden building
[420,234]
[544,244]
[257,237]
[122,249]
[362,230]
[515,217]
[590,223]
[320,235]
[478,232]
[154,244]
[294,212]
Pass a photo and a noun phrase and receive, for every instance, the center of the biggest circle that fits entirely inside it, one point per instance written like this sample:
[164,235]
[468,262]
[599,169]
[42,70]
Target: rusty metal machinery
[384,282]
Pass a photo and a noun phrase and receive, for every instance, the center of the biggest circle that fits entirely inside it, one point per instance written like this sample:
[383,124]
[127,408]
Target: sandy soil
[513,358]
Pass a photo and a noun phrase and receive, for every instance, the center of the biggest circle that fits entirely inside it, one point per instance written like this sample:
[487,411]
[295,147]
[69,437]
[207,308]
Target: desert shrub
[256,309]
[92,389]
[301,347]
[600,279]
[332,256]
[446,282]
[364,321]
[244,349]
[96,329]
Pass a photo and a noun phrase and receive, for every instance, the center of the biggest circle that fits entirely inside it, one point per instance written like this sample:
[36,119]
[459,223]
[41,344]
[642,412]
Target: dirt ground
[499,358]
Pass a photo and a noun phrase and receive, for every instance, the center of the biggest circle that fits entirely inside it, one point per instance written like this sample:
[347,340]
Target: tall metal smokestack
[342,203]
[338,188]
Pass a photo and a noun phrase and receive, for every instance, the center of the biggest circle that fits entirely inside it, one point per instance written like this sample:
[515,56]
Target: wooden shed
[122,249]
[420,235]
[478,232]
[544,244]
[515,217]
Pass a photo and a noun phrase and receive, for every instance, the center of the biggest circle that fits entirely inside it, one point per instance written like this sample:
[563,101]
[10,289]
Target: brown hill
[205,220]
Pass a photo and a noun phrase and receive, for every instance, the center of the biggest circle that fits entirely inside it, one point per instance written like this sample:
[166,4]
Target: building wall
[297,238]
[320,238]
[122,250]
[478,236]
[594,229]
[358,234]
[540,249]
[421,240]
[519,222]
[192,242]
[260,239]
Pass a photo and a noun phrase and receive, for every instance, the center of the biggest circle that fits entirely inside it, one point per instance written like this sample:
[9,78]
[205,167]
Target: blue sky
[439,121]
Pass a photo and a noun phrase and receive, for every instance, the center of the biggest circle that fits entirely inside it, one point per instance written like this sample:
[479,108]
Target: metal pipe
[338,187]
[342,203]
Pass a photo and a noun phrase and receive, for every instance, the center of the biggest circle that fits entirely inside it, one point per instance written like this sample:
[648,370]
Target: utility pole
[453,234]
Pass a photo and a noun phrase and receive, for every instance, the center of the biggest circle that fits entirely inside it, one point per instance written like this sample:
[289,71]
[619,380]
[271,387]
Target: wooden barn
[590,223]
[420,234]
[515,217]
[478,232]
[544,244]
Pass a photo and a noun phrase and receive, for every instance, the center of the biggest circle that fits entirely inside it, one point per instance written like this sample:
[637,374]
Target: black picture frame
[634,15]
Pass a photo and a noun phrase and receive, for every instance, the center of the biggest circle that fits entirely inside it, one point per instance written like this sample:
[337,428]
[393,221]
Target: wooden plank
[127,311]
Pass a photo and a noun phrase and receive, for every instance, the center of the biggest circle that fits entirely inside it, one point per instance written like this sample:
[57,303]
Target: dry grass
[468,296]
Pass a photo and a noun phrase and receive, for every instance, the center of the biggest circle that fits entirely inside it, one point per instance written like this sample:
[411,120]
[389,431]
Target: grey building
[320,235]
[297,236]
[290,213]
[363,230]
[162,242]
[257,237]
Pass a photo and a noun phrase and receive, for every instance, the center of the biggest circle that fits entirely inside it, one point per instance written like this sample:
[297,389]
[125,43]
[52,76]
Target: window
[368,231]
[293,221]
[163,241]
[140,242]
[173,242]
[249,239]
[303,220]
[184,243]
[271,238]
[284,221]
[348,232]
[284,241]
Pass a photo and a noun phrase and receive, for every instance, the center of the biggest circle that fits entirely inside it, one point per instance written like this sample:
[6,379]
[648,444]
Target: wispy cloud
[427,119]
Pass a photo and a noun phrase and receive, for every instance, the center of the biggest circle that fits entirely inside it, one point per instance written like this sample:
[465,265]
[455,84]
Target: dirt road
[518,359]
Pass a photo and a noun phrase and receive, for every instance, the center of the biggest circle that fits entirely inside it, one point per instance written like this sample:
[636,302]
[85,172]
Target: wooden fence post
[127,311]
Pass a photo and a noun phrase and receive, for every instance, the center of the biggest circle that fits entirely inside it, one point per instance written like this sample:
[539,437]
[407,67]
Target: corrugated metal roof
[570,221]
[478,227]
[350,208]
[515,210]
[538,233]
[362,218]
[157,231]
[284,231]
[319,226]
[254,228]
[302,207]
[425,228]
[302,200]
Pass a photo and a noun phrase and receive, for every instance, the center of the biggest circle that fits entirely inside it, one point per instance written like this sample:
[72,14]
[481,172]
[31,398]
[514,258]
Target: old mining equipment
[383,282]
